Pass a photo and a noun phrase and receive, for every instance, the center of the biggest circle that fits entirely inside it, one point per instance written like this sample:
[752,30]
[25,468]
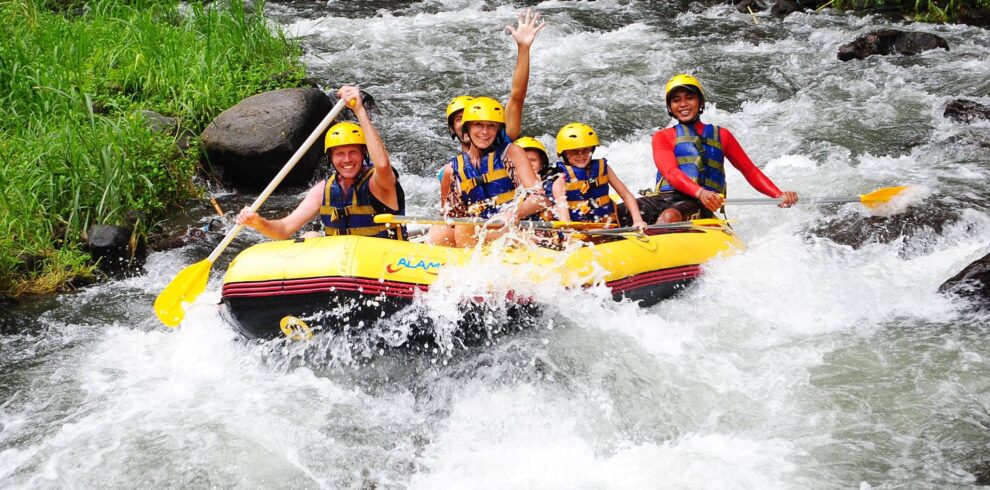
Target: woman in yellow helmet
[481,174]
[690,159]
[524,34]
[362,184]
[581,192]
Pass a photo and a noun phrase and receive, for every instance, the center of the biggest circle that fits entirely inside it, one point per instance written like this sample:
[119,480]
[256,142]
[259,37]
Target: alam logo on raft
[404,263]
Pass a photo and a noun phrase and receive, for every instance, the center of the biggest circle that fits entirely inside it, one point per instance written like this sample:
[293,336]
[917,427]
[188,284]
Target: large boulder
[972,282]
[890,41]
[916,221]
[115,248]
[251,141]
[966,111]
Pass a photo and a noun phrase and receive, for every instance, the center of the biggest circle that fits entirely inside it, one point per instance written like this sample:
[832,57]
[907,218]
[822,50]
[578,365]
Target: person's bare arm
[524,35]
[627,197]
[383,182]
[560,198]
[281,229]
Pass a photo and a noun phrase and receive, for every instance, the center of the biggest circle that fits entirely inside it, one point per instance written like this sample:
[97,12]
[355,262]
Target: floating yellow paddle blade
[881,196]
[189,283]
[186,286]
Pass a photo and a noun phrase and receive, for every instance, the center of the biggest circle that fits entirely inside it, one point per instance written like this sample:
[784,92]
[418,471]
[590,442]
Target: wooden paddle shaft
[324,124]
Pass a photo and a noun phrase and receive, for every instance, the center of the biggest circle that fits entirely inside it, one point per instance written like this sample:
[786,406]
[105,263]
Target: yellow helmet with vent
[344,133]
[575,135]
[483,109]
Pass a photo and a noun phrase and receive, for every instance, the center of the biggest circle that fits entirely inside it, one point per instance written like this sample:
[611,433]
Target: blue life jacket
[587,191]
[486,188]
[354,213]
[699,157]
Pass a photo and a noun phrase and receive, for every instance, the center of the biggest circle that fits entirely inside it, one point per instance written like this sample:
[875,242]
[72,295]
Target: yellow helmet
[457,104]
[484,109]
[344,133]
[528,143]
[575,135]
[687,82]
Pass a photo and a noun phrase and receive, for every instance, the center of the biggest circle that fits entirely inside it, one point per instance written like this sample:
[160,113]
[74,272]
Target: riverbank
[934,11]
[74,78]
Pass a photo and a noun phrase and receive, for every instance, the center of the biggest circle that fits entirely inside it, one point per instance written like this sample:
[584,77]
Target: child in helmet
[690,159]
[362,184]
[581,192]
[539,160]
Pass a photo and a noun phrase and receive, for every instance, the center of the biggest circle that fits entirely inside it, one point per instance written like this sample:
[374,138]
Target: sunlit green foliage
[73,146]
[924,10]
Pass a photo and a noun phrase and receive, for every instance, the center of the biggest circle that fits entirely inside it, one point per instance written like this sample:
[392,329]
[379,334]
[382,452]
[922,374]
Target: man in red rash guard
[691,157]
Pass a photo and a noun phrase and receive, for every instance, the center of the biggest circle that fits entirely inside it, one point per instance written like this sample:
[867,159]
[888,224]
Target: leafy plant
[924,10]
[75,150]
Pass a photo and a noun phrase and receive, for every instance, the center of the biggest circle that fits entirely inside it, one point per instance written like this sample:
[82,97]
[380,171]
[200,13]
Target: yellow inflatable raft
[281,288]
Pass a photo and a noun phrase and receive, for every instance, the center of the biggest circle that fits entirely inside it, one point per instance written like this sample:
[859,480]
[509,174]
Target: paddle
[495,223]
[871,200]
[191,281]
[707,223]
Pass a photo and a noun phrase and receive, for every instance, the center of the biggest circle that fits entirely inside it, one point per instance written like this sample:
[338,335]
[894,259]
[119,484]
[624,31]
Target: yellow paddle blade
[186,286]
[881,196]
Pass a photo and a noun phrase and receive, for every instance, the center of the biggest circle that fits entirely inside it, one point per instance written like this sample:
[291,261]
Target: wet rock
[890,41]
[168,125]
[253,140]
[982,473]
[864,230]
[966,111]
[745,6]
[114,248]
[755,35]
[978,17]
[176,239]
[972,282]
[783,8]
[159,123]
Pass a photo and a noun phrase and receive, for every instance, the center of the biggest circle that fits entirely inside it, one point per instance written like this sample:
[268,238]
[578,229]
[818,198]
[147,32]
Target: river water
[821,357]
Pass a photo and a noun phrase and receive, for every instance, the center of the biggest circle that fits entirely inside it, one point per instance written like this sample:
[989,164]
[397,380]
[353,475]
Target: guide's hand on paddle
[352,95]
[249,218]
[711,200]
[525,33]
[789,198]
[641,225]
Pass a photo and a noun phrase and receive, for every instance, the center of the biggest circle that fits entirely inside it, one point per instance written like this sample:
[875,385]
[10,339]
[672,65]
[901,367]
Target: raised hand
[525,33]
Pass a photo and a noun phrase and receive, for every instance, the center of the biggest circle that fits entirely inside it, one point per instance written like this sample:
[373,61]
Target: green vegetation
[74,149]
[939,11]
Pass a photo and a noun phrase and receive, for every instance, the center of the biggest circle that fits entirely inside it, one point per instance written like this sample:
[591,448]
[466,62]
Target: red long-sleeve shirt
[663,156]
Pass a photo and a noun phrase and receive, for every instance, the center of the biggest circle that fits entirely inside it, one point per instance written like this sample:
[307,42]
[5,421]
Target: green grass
[74,150]
[938,11]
